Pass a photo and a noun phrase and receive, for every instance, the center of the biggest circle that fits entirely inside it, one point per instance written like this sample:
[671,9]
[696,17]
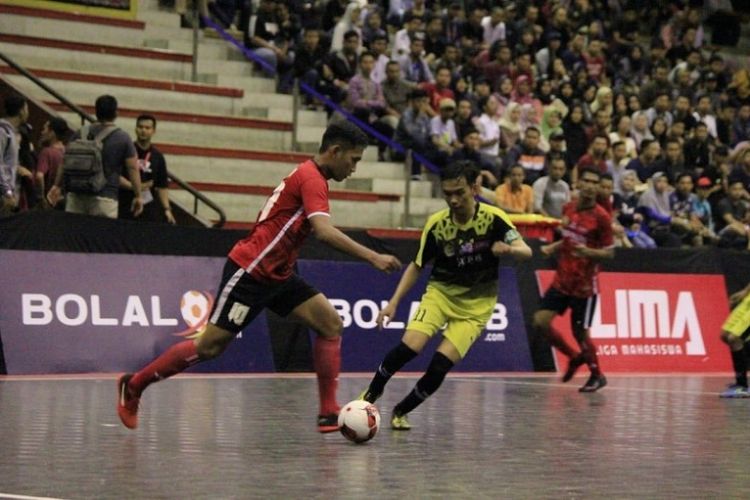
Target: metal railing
[409,154]
[197,195]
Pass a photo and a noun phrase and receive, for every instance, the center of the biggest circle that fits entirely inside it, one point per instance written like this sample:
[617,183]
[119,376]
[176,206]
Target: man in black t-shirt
[153,169]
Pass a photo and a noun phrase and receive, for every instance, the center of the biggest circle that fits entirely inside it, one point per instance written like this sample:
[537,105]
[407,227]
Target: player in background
[259,274]
[586,239]
[735,333]
[463,242]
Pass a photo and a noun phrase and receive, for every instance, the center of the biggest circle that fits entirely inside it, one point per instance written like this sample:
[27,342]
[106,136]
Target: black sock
[427,385]
[393,362]
[739,362]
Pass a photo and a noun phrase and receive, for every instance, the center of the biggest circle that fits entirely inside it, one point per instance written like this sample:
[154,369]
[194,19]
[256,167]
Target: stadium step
[203,130]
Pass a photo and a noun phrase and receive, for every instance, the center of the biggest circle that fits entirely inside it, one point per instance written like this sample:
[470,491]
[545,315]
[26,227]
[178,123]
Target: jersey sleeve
[427,246]
[314,193]
[504,228]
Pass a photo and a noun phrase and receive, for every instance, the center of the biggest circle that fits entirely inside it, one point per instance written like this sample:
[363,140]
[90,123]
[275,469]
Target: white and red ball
[359,421]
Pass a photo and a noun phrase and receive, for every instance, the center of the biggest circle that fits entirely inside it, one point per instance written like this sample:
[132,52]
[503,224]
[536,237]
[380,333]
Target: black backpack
[83,167]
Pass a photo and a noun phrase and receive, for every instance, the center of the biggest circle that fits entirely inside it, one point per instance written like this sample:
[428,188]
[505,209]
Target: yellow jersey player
[734,333]
[463,242]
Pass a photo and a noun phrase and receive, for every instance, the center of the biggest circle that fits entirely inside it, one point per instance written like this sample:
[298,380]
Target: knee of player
[333,327]
[209,349]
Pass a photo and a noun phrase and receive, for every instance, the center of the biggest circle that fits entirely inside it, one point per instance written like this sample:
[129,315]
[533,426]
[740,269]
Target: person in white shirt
[703,114]
[402,40]
[494,26]
[489,130]
[378,47]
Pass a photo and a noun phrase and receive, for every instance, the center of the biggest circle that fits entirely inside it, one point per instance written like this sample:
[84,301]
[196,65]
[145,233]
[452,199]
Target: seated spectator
[366,102]
[413,131]
[741,171]
[464,117]
[551,192]
[684,221]
[443,129]
[373,30]
[470,151]
[625,210]
[639,130]
[654,203]
[621,133]
[435,43]
[576,140]
[379,46]
[741,125]
[660,109]
[733,218]
[673,163]
[489,132]
[308,62]
[698,149]
[510,125]
[396,93]
[350,21]
[596,157]
[513,195]
[54,134]
[413,26]
[413,66]
[617,163]
[528,155]
[339,67]
[702,208]
[153,173]
[440,89]
[268,43]
[646,164]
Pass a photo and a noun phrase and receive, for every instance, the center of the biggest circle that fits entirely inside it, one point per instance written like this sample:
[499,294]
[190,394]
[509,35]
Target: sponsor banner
[662,323]
[358,291]
[69,312]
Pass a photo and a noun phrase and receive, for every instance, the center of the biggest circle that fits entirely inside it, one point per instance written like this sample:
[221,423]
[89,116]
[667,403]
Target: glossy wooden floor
[483,437]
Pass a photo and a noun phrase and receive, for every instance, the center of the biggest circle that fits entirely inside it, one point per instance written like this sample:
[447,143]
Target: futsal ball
[194,308]
[359,421]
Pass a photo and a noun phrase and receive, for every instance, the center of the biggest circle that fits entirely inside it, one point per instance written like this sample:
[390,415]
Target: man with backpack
[92,164]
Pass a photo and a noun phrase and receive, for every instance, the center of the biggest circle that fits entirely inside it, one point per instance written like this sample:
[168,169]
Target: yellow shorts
[739,319]
[463,321]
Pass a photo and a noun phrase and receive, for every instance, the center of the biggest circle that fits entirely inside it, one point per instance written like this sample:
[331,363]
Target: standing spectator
[551,192]
[153,174]
[528,154]
[117,155]
[413,66]
[54,132]
[16,114]
[513,195]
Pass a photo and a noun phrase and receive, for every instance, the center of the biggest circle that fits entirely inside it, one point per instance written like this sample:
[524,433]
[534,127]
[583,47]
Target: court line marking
[26,497]
[609,387]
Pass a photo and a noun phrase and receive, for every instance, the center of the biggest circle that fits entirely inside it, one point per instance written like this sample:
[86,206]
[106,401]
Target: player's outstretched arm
[410,276]
[330,235]
[518,249]
[551,248]
[594,253]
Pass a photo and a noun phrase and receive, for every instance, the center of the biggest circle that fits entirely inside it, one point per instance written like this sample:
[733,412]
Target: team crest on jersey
[449,249]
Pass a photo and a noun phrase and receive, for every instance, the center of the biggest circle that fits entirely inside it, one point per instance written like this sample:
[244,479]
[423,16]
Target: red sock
[174,360]
[327,361]
[556,339]
[589,352]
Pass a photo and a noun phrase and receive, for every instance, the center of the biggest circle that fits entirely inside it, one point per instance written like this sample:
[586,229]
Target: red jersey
[592,227]
[269,252]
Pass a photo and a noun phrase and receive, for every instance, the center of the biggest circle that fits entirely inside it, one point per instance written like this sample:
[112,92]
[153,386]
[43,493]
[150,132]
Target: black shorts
[241,298]
[581,308]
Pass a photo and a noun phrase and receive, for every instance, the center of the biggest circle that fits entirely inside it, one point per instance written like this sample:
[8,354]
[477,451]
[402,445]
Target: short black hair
[590,170]
[684,174]
[350,34]
[59,126]
[482,102]
[144,117]
[344,134]
[366,53]
[106,108]
[462,168]
[13,105]
[606,176]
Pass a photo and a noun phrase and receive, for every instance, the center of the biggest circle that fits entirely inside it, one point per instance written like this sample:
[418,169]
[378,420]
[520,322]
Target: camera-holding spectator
[153,174]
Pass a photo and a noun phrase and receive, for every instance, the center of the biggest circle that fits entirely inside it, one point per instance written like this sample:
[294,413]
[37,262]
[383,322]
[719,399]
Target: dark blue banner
[358,291]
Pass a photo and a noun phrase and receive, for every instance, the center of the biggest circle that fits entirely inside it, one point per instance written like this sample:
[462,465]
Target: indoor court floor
[495,436]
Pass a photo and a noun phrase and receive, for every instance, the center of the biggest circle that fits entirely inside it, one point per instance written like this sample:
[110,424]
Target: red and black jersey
[591,227]
[269,252]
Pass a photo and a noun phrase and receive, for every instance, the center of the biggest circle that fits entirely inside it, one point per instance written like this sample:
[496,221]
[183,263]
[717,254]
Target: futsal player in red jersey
[259,273]
[586,239]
